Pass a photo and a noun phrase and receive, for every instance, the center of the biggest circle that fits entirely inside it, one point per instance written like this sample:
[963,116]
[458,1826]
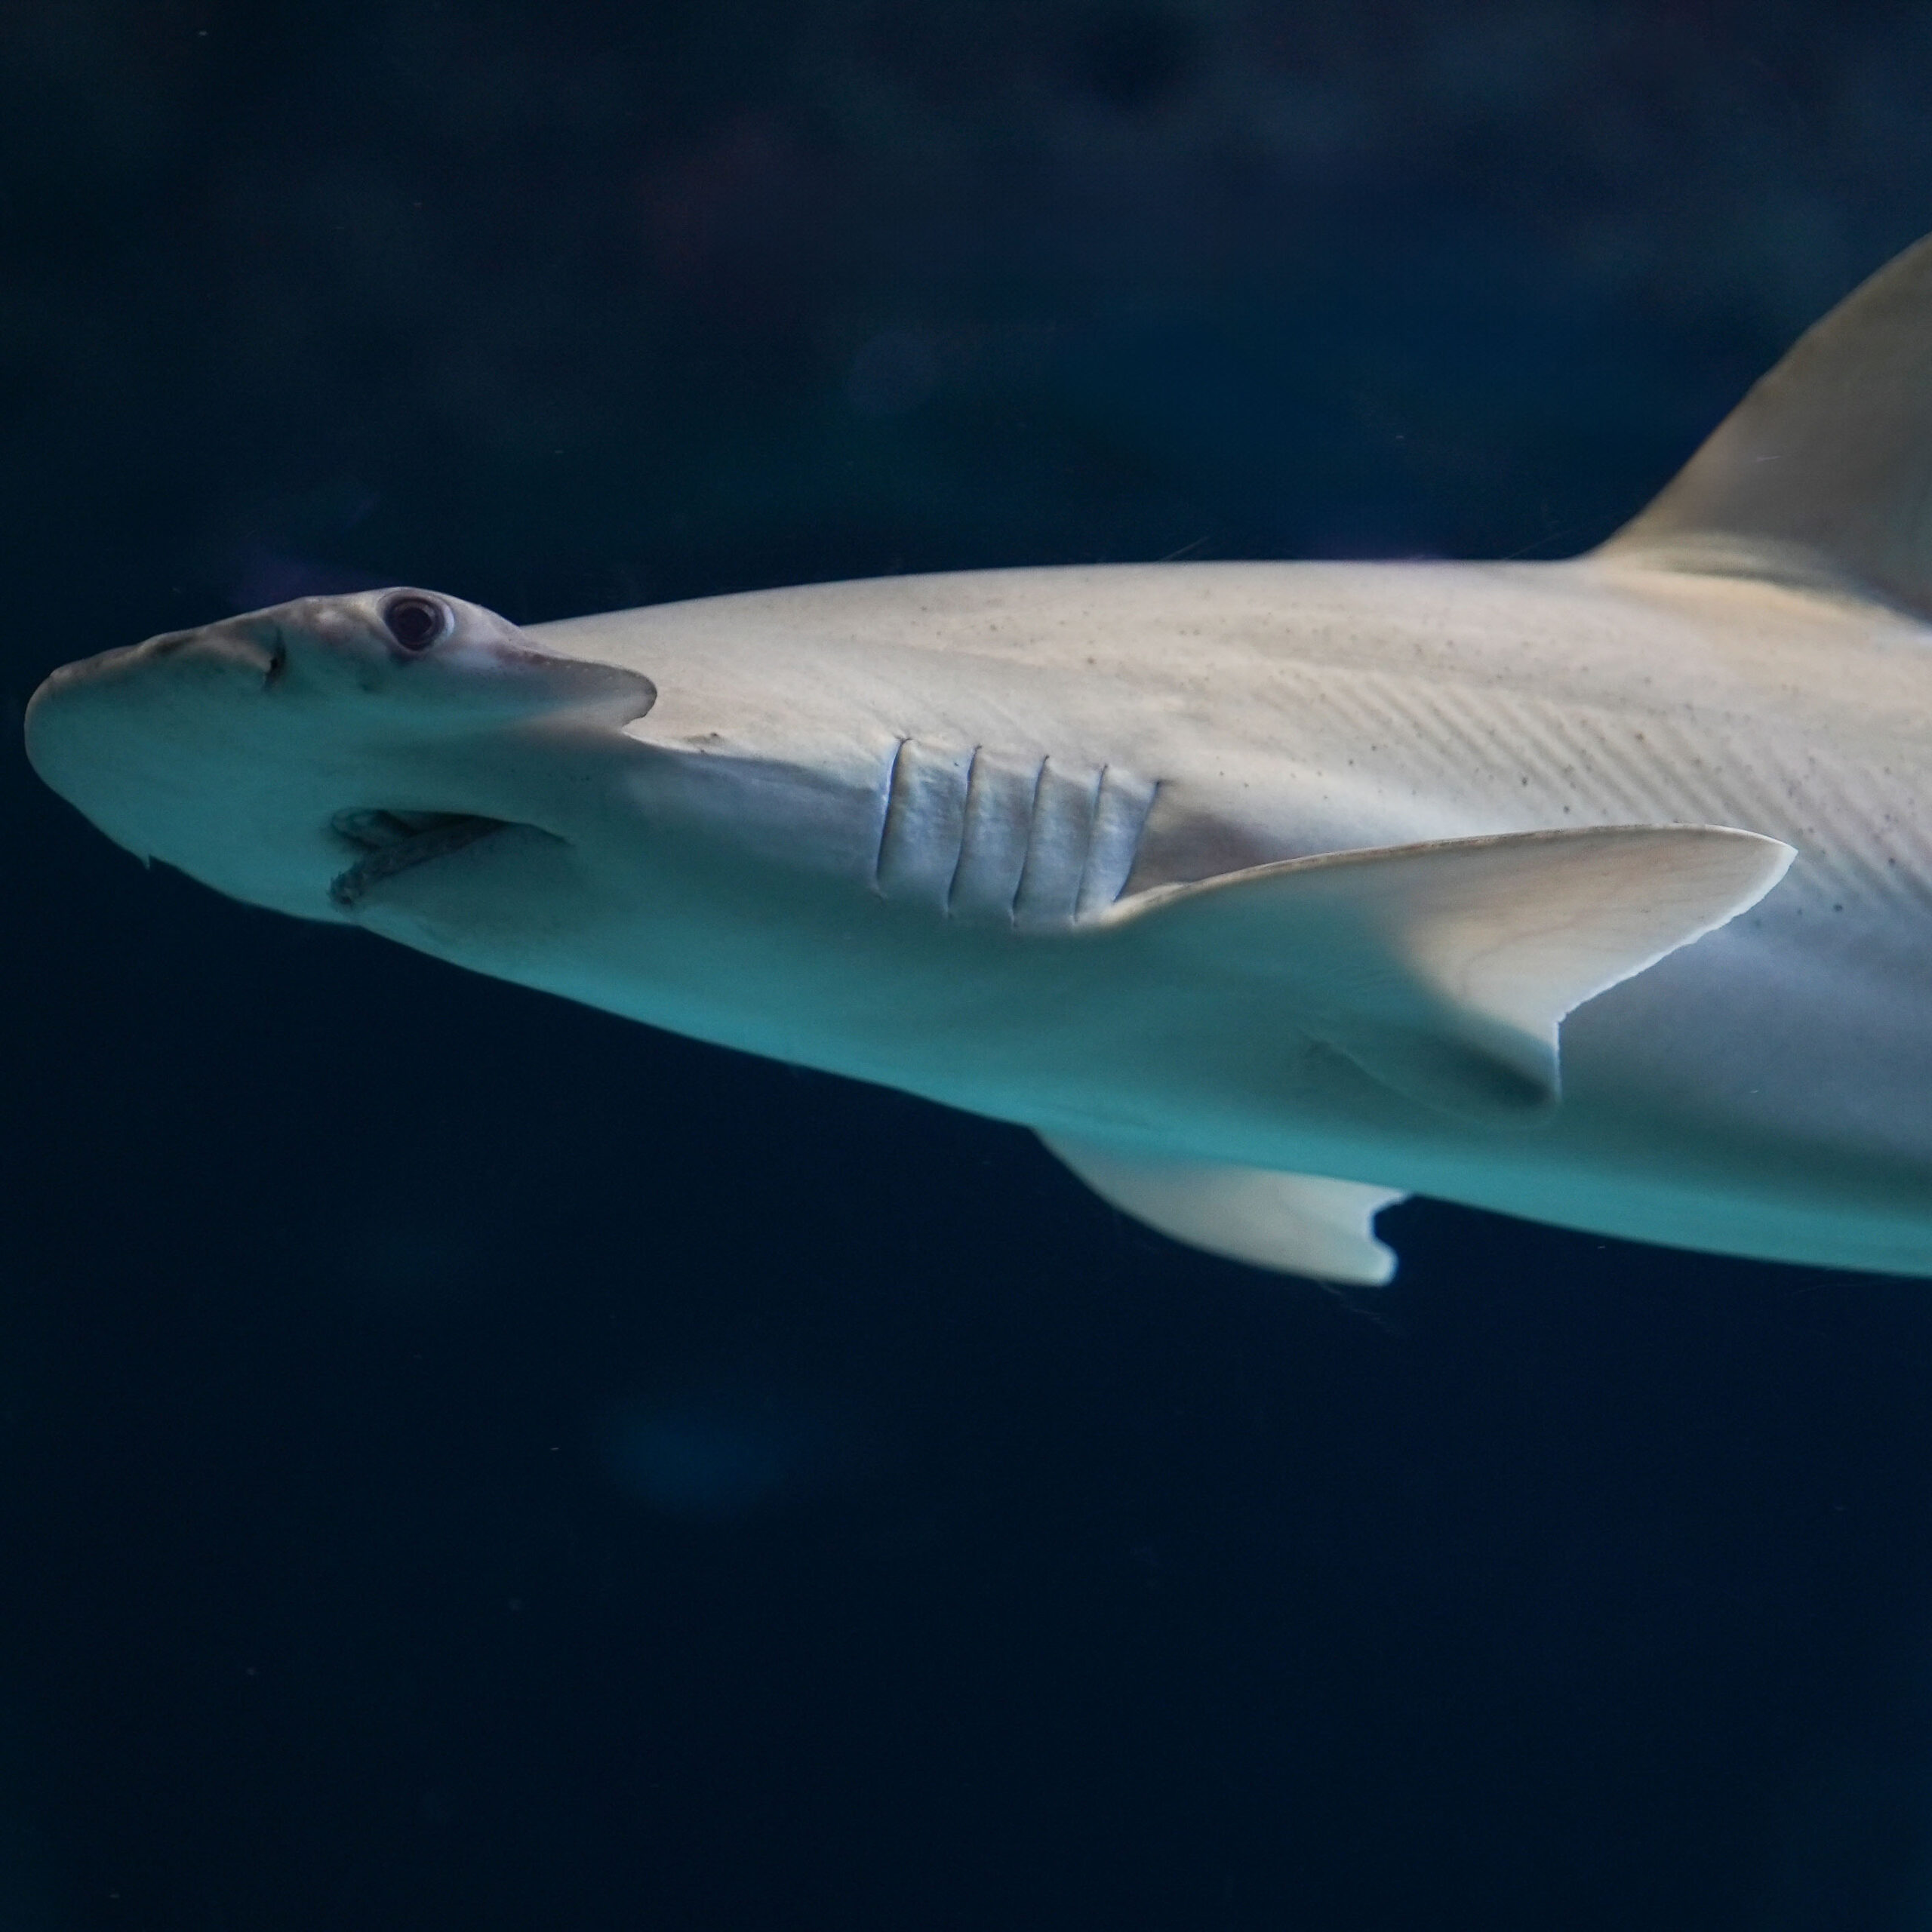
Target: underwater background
[470,1462]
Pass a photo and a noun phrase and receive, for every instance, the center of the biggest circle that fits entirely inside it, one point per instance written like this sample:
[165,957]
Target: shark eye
[415,622]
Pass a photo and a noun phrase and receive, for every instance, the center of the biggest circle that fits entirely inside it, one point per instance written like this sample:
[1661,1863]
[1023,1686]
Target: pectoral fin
[1444,970]
[1298,1223]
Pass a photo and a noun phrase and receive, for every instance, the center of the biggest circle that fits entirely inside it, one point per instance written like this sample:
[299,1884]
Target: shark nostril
[277,664]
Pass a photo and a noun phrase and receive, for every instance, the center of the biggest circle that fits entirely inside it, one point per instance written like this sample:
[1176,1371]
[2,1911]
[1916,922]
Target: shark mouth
[392,842]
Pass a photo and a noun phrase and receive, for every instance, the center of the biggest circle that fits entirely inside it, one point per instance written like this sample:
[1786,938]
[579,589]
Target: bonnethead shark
[1596,891]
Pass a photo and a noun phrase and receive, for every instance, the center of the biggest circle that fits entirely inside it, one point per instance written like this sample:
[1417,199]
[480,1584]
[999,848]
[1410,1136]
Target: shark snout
[305,756]
[109,732]
[251,645]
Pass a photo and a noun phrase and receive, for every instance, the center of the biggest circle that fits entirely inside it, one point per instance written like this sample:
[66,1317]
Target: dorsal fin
[1822,475]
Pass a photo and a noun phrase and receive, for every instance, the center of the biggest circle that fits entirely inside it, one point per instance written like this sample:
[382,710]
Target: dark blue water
[470,1463]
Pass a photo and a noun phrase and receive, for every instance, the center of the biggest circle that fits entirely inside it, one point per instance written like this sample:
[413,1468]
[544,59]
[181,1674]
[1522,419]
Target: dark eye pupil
[413,621]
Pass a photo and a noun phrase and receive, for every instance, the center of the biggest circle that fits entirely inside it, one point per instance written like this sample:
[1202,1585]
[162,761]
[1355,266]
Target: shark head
[294,756]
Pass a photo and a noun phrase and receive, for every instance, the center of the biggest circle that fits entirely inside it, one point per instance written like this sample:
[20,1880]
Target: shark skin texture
[1597,892]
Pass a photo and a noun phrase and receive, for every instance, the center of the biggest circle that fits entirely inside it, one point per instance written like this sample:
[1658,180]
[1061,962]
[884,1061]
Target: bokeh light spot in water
[717,1452]
[893,373]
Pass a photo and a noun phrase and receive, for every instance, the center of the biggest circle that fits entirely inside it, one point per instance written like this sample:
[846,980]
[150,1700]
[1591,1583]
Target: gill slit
[965,828]
[891,806]
[1026,851]
[1093,835]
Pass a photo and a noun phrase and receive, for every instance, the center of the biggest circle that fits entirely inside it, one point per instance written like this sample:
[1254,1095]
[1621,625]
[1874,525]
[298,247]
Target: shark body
[1259,891]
